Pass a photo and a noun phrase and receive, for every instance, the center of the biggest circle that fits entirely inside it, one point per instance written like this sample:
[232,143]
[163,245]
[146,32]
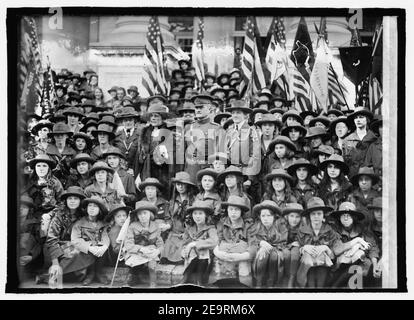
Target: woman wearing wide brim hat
[335,112]
[220,116]
[340,119]
[206,172]
[73,111]
[269,118]
[92,116]
[267,204]
[115,208]
[302,163]
[316,136]
[316,204]
[109,120]
[201,205]
[159,109]
[236,201]
[184,178]
[127,113]
[144,205]
[294,114]
[292,207]
[221,76]
[279,173]
[114,152]
[321,119]
[365,171]
[347,208]
[98,201]
[105,129]
[79,158]
[281,140]
[72,191]
[151,182]
[294,125]
[100,165]
[88,125]
[40,125]
[336,160]
[231,170]
[60,128]
[361,111]
[84,136]
[42,158]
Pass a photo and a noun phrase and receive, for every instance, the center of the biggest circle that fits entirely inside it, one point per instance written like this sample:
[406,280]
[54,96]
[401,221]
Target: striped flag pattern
[198,53]
[154,75]
[253,76]
[30,67]
[300,88]
[334,92]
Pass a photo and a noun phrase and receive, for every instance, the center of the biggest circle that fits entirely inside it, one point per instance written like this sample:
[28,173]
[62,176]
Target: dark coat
[62,169]
[336,197]
[373,157]
[45,197]
[129,146]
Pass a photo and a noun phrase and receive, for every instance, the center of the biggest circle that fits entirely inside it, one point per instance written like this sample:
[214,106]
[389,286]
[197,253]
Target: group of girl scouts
[261,196]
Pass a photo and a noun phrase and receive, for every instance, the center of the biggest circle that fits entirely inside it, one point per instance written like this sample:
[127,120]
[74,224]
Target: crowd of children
[240,193]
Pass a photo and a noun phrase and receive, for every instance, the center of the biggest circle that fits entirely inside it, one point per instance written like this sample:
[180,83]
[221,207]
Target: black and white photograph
[205,149]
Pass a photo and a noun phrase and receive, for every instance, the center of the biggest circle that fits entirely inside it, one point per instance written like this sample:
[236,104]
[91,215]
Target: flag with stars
[198,53]
[154,77]
[30,68]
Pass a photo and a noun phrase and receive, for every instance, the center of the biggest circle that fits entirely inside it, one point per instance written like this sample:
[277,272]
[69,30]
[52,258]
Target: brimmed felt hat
[183,177]
[74,97]
[25,199]
[230,170]
[260,104]
[239,105]
[89,70]
[227,123]
[292,207]
[42,158]
[361,110]
[42,124]
[84,136]
[235,201]
[315,204]
[115,208]
[151,182]
[73,191]
[79,158]
[337,160]
[90,123]
[91,116]
[350,208]
[160,109]
[100,165]
[127,112]
[343,119]
[144,205]
[104,128]
[306,113]
[109,120]
[259,110]
[114,151]
[132,88]
[281,140]
[186,106]
[292,113]
[234,82]
[302,162]
[218,156]
[223,75]
[266,92]
[201,205]
[294,125]
[208,172]
[107,113]
[217,88]
[279,98]
[88,103]
[202,99]
[113,88]
[61,128]
[334,111]
[321,119]
[75,75]
[277,110]
[266,204]
[376,203]
[269,118]
[324,149]
[233,71]
[157,96]
[281,173]
[365,171]
[220,116]
[317,132]
[98,201]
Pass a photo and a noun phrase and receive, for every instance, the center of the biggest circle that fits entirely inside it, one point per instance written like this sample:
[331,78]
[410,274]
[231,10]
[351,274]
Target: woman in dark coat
[82,164]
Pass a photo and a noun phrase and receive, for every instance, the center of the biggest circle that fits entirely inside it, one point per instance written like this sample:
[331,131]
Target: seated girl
[278,188]
[207,184]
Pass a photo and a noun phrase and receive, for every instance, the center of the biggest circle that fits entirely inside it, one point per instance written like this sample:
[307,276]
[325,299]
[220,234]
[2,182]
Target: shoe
[89,278]
[42,279]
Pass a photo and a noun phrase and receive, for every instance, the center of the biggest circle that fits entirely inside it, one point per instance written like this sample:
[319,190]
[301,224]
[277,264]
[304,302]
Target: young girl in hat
[182,197]
[271,235]
[358,248]
[318,156]
[152,190]
[207,185]
[232,179]
[41,139]
[339,128]
[90,238]
[363,193]
[236,247]
[81,164]
[304,188]
[280,154]
[319,244]
[200,238]
[101,175]
[334,187]
[103,135]
[82,143]
[279,188]
[143,243]
[296,132]
[293,216]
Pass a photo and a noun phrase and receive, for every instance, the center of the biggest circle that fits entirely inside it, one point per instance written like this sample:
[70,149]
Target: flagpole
[117,261]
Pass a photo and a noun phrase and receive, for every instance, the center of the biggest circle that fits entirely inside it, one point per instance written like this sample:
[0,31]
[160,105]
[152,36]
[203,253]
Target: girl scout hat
[320,118]
[342,119]
[104,128]
[182,177]
[294,125]
[42,124]
[302,162]
[89,124]
[292,113]
[350,208]
[79,158]
[127,112]
[91,116]
[220,116]
[98,201]
[361,111]
[108,119]
[236,201]
[73,191]
[100,165]
[239,105]
[281,140]
[115,152]
[160,109]
[201,205]
[206,172]
[115,208]
[114,88]
[145,205]
[317,132]
[151,182]
[61,128]
[269,118]
[292,207]
[324,149]
[84,136]
[334,111]
[266,92]
[314,204]
[25,199]
[365,171]
[230,170]
[376,203]
[281,173]
[266,204]
[337,160]
[306,113]
[73,111]
[42,158]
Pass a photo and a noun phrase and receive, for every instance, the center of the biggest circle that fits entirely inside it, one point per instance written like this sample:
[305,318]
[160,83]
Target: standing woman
[339,128]
[279,188]
[103,134]
[182,197]
[43,187]
[82,163]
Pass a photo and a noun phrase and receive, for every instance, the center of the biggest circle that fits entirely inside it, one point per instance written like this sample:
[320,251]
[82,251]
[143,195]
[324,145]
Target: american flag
[154,77]
[198,53]
[30,67]
[253,76]
[300,88]
[334,89]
